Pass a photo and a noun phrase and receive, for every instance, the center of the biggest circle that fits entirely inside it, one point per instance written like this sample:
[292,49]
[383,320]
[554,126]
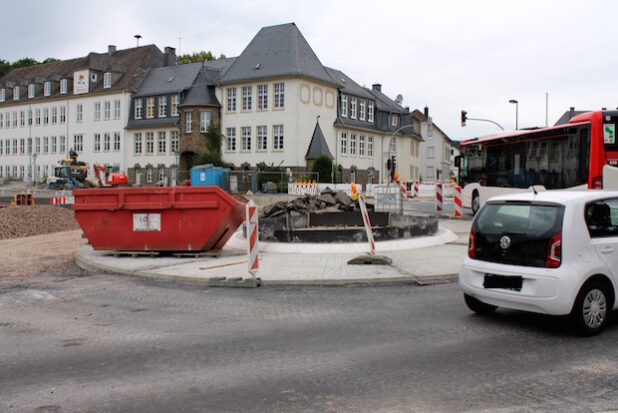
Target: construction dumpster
[176,219]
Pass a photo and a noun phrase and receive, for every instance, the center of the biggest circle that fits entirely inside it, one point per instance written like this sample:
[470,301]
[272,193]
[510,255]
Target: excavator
[107,179]
[68,174]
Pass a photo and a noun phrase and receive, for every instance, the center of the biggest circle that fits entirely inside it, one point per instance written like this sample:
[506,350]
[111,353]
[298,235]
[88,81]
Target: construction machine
[68,174]
[107,178]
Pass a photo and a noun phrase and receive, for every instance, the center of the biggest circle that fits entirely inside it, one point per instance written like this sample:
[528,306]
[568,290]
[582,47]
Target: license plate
[508,282]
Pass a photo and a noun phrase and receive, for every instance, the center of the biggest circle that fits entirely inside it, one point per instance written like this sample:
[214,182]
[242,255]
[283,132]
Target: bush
[323,166]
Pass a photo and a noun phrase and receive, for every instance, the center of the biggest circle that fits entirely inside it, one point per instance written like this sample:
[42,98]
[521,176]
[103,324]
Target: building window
[430,152]
[149,175]
[45,116]
[231,99]
[22,118]
[150,104]
[262,97]
[344,106]
[149,143]
[29,146]
[175,100]
[79,114]
[429,172]
[116,142]
[279,97]
[54,144]
[162,106]
[137,143]
[37,145]
[245,141]
[353,108]
[246,97]
[54,117]
[204,121]
[14,146]
[63,144]
[1,119]
[117,109]
[344,143]
[361,145]
[370,146]
[107,110]
[394,120]
[106,142]
[46,89]
[370,112]
[16,93]
[188,122]
[262,139]
[352,144]
[78,142]
[162,175]
[139,108]
[107,80]
[63,114]
[230,139]
[14,118]
[278,137]
[162,142]
[97,142]
[2,95]
[63,86]
[21,171]
[37,117]
[31,90]
[7,119]
[1,150]
[393,144]
[174,141]
[361,110]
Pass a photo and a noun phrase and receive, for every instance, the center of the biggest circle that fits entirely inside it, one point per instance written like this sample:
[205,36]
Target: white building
[81,104]
[435,150]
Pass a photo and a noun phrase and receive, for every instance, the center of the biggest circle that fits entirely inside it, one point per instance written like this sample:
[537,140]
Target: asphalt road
[101,343]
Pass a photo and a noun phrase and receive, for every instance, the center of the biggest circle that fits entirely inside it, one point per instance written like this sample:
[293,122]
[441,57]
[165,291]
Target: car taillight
[554,251]
[597,182]
[472,244]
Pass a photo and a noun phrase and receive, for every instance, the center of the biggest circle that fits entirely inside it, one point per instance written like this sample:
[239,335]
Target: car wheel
[476,203]
[591,309]
[478,306]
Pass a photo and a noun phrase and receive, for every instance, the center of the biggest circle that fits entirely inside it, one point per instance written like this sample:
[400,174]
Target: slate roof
[421,116]
[386,104]
[318,145]
[202,92]
[274,52]
[128,67]
[170,79]
[347,85]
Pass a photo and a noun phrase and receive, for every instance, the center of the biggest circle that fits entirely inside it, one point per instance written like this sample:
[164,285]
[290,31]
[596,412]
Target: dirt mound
[25,221]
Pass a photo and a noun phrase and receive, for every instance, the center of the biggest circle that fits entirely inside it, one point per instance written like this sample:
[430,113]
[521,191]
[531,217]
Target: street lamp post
[390,147]
[516,112]
[34,174]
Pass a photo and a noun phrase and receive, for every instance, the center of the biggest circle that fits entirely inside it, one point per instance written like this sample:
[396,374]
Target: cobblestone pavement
[70,342]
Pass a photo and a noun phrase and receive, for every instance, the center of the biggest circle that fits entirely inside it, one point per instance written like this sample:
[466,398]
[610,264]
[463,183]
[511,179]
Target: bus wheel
[476,202]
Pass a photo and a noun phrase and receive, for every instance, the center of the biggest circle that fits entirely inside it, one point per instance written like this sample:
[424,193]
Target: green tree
[196,57]
[5,67]
[323,165]
[213,148]
[24,62]
[50,60]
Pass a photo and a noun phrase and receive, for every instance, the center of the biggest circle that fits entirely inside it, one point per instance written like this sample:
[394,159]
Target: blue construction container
[208,175]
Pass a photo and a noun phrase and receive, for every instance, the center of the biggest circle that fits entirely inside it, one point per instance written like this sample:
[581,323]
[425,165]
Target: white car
[551,252]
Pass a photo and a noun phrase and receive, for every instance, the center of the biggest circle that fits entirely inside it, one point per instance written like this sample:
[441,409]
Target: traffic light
[389,166]
[393,167]
[464,117]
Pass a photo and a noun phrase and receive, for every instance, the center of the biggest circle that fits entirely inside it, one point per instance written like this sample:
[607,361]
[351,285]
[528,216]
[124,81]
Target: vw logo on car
[505,242]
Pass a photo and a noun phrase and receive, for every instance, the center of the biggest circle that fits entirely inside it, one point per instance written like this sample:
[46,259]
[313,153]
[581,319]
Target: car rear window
[529,227]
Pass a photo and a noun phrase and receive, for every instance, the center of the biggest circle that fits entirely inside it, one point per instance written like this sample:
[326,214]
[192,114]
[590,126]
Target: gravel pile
[25,221]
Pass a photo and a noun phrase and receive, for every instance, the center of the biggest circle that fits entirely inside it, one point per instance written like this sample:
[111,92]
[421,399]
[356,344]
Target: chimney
[111,49]
[571,112]
[377,87]
[426,112]
[169,59]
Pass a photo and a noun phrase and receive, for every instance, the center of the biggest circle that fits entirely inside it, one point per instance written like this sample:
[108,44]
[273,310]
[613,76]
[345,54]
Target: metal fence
[389,198]
[277,182]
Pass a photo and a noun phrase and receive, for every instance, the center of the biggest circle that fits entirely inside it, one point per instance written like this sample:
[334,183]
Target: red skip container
[157,219]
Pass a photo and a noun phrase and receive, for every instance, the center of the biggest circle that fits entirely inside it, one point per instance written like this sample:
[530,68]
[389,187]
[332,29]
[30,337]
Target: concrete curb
[85,262]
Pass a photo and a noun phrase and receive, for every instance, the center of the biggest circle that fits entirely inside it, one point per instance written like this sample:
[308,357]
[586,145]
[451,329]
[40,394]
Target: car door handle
[607,250]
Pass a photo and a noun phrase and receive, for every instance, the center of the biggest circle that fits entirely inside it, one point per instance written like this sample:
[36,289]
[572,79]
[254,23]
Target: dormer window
[46,89]
[93,77]
[344,106]
[107,80]
[370,111]
[2,95]
[63,87]
[31,90]
[16,93]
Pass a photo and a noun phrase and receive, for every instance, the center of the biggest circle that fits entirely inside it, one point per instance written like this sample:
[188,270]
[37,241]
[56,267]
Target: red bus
[558,157]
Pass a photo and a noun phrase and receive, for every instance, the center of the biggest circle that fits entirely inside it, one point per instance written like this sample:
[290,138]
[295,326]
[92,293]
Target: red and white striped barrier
[303,188]
[404,188]
[58,200]
[415,189]
[439,197]
[457,201]
[372,244]
[252,237]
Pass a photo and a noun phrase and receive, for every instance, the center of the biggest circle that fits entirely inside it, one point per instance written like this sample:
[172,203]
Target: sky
[447,55]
